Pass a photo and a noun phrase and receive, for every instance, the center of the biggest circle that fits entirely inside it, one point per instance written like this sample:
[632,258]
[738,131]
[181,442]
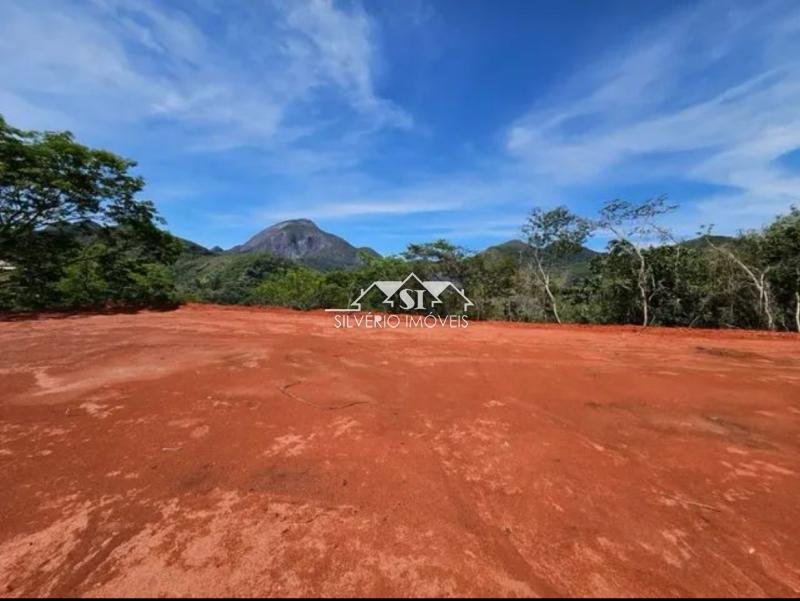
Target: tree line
[74,234]
[644,277]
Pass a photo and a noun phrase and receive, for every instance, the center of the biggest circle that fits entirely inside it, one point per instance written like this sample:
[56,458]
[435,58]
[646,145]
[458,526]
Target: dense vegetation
[73,234]
[750,281]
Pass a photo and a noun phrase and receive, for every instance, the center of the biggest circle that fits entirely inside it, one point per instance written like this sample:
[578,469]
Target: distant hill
[702,241]
[193,248]
[577,265]
[86,231]
[571,267]
[302,241]
[512,248]
[229,278]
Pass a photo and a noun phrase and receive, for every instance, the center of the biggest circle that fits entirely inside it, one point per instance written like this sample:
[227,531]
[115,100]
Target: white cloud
[370,198]
[340,49]
[461,207]
[710,96]
[364,208]
[218,78]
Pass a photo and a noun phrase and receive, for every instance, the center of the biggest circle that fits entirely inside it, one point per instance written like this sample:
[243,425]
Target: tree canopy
[72,230]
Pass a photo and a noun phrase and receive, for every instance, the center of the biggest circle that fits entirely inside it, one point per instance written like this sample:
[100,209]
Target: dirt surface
[224,451]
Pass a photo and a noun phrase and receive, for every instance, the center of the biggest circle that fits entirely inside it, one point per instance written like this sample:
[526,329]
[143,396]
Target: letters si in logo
[410,294]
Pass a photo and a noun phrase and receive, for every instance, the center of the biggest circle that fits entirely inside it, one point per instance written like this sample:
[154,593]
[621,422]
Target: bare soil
[226,451]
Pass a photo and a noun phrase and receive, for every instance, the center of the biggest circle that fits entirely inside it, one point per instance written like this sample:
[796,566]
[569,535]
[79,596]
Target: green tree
[229,278]
[636,226]
[374,269]
[58,196]
[752,263]
[83,283]
[609,294]
[489,282]
[552,235]
[781,250]
[439,257]
[299,288]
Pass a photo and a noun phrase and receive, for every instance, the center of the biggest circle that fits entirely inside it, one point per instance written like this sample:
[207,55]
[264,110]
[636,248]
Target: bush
[299,288]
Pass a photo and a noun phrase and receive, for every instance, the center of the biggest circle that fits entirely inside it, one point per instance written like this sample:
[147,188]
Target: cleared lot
[225,451]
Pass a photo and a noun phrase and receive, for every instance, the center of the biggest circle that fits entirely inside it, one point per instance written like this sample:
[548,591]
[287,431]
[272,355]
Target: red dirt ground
[223,451]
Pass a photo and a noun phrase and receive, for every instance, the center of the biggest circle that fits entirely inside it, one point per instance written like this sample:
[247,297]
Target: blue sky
[393,122]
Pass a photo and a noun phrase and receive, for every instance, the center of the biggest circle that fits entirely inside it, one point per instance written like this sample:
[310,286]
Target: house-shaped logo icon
[410,294]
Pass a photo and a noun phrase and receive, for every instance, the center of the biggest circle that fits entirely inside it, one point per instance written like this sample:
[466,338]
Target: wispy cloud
[251,112]
[229,75]
[348,209]
[708,96]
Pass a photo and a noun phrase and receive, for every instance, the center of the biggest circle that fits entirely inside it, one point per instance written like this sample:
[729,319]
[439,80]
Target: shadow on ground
[14,316]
